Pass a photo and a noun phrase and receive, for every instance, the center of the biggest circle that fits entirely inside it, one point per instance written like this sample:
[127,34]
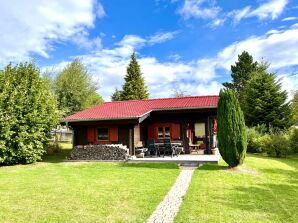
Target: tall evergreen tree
[28,112]
[231,130]
[75,88]
[134,86]
[265,102]
[242,72]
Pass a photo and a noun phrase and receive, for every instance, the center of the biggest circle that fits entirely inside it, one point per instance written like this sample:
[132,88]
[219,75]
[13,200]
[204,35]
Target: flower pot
[213,151]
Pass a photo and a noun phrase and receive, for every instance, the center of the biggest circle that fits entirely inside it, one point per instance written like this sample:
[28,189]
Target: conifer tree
[242,72]
[231,130]
[266,103]
[134,87]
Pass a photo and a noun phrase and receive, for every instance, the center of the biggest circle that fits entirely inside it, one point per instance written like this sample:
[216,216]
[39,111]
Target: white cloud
[32,28]
[162,37]
[268,10]
[204,9]
[290,18]
[197,77]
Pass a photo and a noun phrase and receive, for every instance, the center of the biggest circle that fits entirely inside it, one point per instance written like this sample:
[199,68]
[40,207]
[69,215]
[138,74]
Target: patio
[182,159]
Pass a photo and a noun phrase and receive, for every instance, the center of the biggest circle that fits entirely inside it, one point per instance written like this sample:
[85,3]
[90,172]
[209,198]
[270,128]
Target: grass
[263,190]
[53,191]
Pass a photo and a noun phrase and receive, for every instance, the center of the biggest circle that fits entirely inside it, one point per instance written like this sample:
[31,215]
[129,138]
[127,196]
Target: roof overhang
[140,118]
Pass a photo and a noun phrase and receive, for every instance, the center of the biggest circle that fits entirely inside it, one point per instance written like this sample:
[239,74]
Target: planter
[214,151]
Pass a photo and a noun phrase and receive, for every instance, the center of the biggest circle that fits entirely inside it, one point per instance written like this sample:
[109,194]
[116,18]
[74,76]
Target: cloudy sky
[180,44]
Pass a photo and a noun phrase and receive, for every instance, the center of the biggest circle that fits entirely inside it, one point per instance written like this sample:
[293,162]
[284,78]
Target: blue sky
[180,44]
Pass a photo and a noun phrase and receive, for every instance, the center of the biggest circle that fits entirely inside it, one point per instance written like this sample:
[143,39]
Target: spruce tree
[231,130]
[266,103]
[242,72]
[134,87]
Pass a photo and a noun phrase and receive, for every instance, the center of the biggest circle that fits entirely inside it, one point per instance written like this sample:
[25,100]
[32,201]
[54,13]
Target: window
[163,132]
[103,134]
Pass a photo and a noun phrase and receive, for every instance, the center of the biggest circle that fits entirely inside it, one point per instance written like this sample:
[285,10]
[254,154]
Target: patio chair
[168,148]
[151,147]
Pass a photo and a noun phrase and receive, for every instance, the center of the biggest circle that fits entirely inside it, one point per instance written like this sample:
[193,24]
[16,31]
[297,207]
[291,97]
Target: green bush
[277,145]
[293,135]
[253,141]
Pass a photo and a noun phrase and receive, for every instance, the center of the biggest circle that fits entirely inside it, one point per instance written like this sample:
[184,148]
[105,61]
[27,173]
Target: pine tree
[265,102]
[242,72]
[28,112]
[231,130]
[75,88]
[134,87]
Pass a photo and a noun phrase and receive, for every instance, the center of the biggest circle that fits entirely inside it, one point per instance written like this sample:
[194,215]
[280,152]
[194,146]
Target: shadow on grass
[56,158]
[212,167]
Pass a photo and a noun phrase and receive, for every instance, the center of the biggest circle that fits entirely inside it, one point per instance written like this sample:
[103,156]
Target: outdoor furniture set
[157,148]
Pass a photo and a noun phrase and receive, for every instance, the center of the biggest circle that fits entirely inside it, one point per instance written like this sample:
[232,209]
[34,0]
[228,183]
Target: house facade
[189,120]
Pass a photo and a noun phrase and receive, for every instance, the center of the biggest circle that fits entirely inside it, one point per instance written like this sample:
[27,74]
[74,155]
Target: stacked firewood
[100,152]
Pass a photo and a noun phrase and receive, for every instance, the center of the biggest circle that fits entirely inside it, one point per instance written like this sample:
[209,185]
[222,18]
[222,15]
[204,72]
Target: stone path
[169,207]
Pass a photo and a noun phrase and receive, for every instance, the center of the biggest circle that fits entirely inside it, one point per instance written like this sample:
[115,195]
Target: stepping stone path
[169,207]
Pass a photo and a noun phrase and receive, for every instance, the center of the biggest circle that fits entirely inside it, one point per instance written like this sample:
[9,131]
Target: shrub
[293,136]
[231,130]
[277,145]
[253,141]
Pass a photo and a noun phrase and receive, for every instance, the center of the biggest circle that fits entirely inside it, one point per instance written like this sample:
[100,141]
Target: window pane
[167,132]
[102,133]
[160,132]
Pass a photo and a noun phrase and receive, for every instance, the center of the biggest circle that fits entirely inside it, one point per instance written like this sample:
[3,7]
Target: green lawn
[52,191]
[264,190]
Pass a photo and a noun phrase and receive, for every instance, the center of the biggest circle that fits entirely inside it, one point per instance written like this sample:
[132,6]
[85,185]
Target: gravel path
[169,207]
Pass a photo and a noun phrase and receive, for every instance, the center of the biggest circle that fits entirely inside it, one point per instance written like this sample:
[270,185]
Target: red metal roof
[138,108]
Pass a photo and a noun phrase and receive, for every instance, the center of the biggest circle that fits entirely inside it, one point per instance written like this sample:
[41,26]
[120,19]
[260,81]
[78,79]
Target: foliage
[28,111]
[295,107]
[231,131]
[277,145]
[265,102]
[242,72]
[293,135]
[75,88]
[116,96]
[134,87]
[254,141]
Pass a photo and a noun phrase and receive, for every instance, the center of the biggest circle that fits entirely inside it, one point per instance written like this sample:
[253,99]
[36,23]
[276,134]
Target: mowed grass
[263,190]
[52,191]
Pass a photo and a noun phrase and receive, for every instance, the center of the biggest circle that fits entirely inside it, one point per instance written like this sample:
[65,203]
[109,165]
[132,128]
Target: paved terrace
[184,158]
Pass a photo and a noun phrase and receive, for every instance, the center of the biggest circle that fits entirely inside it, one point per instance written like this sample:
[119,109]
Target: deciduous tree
[28,112]
[75,88]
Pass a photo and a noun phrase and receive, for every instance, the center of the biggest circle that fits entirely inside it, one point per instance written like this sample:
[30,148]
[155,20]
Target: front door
[125,136]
